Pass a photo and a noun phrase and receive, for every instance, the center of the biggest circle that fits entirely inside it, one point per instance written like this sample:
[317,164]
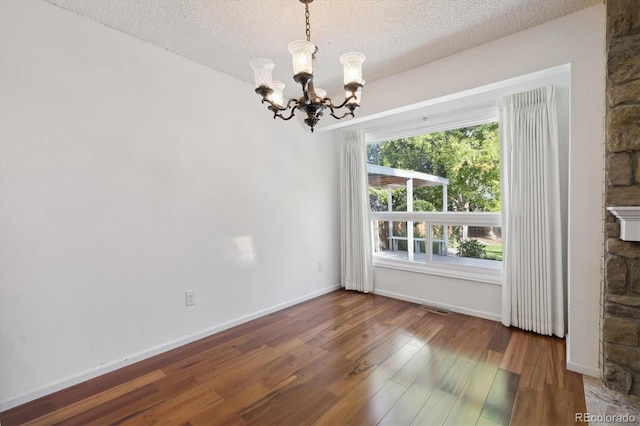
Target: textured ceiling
[395,35]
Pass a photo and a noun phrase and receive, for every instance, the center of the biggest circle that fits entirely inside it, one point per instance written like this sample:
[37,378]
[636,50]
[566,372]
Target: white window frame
[472,273]
[453,120]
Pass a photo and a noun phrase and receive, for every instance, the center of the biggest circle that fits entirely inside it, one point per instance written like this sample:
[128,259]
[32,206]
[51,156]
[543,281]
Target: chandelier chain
[306,17]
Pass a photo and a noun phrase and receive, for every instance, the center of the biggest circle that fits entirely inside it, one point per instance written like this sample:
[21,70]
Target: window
[435,202]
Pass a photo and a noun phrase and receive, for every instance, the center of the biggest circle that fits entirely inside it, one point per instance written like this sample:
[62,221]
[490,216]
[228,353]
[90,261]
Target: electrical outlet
[190,296]
[320,267]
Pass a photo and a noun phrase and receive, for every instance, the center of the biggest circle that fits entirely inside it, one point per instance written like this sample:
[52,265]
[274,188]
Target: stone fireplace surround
[620,313]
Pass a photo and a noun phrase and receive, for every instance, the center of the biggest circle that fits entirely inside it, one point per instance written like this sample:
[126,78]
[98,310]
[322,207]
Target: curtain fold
[533,287]
[356,257]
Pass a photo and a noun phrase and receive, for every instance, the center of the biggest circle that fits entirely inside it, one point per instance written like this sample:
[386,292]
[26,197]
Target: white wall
[127,176]
[579,40]
[467,297]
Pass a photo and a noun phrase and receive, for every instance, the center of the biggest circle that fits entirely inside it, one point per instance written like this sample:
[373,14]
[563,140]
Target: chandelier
[314,100]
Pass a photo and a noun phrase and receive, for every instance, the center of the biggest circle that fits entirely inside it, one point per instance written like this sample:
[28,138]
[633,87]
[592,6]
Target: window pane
[468,245]
[390,236]
[450,171]
[453,170]
[391,240]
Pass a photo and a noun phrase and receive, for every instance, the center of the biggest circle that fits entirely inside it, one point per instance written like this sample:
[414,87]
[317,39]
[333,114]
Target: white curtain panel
[533,288]
[356,256]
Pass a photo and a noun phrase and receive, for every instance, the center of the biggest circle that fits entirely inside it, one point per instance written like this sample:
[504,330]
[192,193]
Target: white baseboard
[583,369]
[148,353]
[453,308]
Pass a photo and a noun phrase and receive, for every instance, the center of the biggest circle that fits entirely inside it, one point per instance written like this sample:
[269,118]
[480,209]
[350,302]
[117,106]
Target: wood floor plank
[327,330]
[575,385]
[171,410]
[483,421]
[556,372]
[408,405]
[286,365]
[438,355]
[499,338]
[414,367]
[300,403]
[376,351]
[477,334]
[355,340]
[424,328]
[237,371]
[203,362]
[499,403]
[427,382]
[527,407]
[95,414]
[261,404]
[404,315]
[470,402]
[456,377]
[253,370]
[536,362]
[444,374]
[341,358]
[354,396]
[557,407]
[513,359]
[377,407]
[226,411]
[311,381]
[96,400]
[166,390]
[436,409]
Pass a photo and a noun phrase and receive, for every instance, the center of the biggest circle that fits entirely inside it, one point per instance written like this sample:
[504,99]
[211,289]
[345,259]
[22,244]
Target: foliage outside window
[468,157]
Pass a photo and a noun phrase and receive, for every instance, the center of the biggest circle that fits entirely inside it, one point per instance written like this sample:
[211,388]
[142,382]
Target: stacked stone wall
[621,316]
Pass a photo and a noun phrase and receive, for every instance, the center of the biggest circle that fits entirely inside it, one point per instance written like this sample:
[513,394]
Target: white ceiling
[395,35]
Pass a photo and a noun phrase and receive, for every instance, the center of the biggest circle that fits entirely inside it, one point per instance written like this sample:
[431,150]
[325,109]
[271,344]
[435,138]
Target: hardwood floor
[342,358]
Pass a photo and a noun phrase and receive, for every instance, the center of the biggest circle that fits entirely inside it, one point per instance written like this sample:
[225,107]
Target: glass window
[451,172]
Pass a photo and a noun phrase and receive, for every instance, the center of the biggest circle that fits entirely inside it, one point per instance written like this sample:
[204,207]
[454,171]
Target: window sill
[469,273]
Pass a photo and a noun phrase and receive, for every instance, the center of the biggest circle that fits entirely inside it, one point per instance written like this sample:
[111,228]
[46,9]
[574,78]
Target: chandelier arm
[293,101]
[277,114]
[279,108]
[346,114]
[332,106]
[276,111]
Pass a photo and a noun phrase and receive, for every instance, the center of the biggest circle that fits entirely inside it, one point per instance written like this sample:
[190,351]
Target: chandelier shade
[302,55]
[352,63]
[314,101]
[277,95]
[262,70]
